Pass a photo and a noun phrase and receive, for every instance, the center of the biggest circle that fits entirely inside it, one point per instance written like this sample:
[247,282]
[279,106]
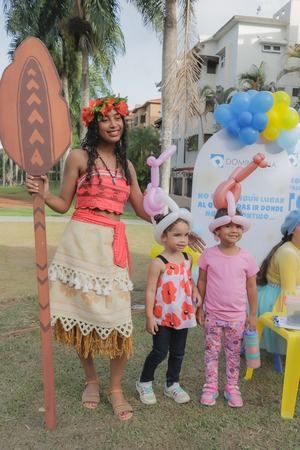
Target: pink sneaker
[234,397]
[209,395]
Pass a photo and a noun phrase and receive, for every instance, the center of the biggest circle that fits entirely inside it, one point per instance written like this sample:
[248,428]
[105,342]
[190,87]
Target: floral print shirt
[173,305]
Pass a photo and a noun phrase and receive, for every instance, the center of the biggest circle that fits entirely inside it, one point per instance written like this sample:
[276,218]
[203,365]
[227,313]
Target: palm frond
[287,70]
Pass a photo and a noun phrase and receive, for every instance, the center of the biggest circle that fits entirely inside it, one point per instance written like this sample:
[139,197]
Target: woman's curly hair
[93,139]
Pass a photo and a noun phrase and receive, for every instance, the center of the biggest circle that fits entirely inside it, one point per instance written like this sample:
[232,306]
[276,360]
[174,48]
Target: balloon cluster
[252,113]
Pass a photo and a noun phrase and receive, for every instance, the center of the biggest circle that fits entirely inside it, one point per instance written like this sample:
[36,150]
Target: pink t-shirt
[226,276]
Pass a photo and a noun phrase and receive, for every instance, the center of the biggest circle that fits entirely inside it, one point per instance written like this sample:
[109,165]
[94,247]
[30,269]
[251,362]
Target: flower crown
[102,107]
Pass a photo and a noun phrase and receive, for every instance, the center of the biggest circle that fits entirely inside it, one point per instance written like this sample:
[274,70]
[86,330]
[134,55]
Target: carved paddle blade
[35,125]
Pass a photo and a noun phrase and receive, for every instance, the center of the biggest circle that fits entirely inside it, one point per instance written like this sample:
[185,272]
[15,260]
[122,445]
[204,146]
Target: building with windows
[145,115]
[232,50]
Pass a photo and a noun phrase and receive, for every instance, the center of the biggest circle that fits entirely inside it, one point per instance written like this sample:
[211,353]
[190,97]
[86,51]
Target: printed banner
[267,194]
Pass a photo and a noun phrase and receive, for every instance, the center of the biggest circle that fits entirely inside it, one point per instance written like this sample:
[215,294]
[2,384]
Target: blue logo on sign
[217,159]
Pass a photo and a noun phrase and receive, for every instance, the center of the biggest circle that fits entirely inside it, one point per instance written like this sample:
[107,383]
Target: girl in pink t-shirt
[227,283]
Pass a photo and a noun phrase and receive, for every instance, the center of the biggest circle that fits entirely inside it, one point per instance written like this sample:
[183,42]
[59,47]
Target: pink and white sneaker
[209,395]
[233,396]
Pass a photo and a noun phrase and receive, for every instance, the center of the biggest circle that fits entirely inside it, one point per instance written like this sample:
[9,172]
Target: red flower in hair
[168,292]
[187,310]
[107,107]
[171,320]
[122,108]
[87,116]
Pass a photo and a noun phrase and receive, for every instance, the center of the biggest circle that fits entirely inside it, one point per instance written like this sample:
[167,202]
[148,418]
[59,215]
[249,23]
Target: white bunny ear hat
[175,214]
[231,217]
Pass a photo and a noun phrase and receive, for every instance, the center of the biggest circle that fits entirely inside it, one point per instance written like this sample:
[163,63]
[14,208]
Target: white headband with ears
[155,199]
[175,214]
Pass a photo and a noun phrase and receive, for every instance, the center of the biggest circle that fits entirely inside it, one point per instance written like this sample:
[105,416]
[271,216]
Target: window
[191,143]
[271,48]
[189,185]
[222,60]
[177,186]
[143,119]
[206,136]
[295,92]
[211,66]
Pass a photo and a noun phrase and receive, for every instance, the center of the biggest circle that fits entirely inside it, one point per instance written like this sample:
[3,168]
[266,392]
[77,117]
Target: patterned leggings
[233,332]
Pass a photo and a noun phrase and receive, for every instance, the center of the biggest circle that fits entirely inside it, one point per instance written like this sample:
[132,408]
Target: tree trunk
[85,87]
[3,167]
[16,173]
[65,87]
[168,80]
[10,175]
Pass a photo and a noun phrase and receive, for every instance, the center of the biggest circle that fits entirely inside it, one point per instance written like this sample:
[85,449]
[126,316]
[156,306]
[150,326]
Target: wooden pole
[44,306]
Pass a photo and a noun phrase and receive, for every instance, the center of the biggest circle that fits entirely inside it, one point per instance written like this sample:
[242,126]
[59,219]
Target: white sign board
[267,194]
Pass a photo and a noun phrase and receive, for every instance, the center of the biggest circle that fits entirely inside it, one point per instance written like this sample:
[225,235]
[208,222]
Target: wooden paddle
[35,131]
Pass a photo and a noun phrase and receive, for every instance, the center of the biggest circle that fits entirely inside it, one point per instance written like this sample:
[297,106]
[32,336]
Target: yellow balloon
[290,119]
[282,97]
[155,250]
[273,118]
[271,133]
[194,255]
[281,109]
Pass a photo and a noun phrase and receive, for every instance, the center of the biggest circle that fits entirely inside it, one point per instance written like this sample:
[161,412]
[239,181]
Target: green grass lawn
[19,193]
[166,425]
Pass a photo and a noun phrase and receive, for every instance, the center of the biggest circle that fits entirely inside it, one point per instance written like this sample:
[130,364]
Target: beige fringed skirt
[89,294]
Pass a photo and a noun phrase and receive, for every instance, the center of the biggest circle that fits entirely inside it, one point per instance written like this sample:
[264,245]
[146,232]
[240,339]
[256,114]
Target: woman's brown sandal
[90,400]
[120,408]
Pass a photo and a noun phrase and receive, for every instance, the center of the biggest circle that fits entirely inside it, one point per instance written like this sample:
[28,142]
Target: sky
[136,73]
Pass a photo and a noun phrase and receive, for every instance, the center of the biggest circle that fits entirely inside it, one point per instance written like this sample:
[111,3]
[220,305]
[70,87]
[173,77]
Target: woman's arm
[252,299]
[136,196]
[154,271]
[62,202]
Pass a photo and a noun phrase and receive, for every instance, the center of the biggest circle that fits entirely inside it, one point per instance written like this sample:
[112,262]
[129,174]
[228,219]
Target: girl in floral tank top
[170,308]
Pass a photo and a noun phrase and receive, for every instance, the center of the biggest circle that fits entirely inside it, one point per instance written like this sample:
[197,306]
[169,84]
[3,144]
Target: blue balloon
[261,102]
[288,139]
[248,135]
[251,93]
[223,114]
[259,121]
[239,103]
[233,128]
[244,119]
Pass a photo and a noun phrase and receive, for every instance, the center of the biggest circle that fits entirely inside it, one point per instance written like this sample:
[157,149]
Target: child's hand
[200,316]
[251,322]
[151,325]
[196,297]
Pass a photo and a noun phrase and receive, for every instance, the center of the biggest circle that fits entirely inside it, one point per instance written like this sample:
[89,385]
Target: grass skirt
[89,295]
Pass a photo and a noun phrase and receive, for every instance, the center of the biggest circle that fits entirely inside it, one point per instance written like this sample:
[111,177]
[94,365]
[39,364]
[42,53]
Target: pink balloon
[233,183]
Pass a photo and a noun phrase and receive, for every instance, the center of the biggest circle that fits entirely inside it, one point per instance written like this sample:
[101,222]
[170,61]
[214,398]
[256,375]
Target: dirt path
[13,203]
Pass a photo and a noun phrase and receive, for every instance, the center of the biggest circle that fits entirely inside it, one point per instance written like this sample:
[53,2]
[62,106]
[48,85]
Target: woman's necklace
[113,176]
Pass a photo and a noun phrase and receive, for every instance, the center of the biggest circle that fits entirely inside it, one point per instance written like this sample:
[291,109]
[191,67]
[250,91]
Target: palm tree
[181,67]
[95,29]
[255,78]
[293,52]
